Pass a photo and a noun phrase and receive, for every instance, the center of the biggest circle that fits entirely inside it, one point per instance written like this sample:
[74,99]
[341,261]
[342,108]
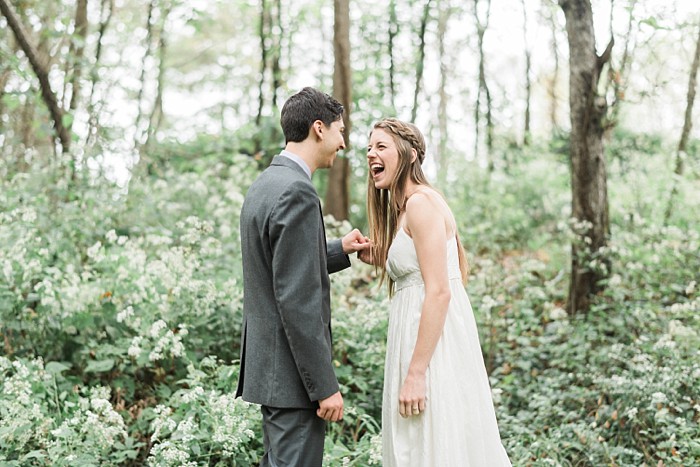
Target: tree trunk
[28,111]
[42,73]
[421,59]
[78,46]
[616,77]
[276,54]
[5,73]
[393,32]
[337,202]
[588,172]
[442,158]
[553,95]
[528,84]
[690,101]
[262,32]
[138,132]
[481,27]
[156,116]
[687,126]
[106,11]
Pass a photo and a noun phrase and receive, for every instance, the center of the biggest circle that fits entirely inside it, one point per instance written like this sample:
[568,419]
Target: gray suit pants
[292,437]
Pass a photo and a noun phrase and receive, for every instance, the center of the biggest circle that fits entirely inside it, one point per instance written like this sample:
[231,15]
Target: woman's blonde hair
[385,205]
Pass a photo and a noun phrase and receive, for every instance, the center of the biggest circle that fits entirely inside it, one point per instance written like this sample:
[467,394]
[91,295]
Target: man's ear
[317,129]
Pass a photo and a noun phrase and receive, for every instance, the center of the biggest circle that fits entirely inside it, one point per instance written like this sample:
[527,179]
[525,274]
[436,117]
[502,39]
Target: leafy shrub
[120,315]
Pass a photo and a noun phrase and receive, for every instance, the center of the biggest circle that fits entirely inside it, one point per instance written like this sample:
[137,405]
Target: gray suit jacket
[286,345]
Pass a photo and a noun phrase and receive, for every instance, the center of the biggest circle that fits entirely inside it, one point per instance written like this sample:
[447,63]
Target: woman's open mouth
[376,169]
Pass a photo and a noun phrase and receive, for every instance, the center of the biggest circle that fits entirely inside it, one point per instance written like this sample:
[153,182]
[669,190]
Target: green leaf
[34,455]
[56,368]
[100,366]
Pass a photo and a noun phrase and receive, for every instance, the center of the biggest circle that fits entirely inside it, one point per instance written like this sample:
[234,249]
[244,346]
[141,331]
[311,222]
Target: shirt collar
[298,160]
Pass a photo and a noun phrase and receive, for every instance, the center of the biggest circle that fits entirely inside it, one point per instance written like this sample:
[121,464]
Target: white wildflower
[192,395]
[487,303]
[157,327]
[375,452]
[658,398]
[615,280]
[135,347]
[155,355]
[496,395]
[186,430]
[29,215]
[111,236]
[677,329]
[7,271]
[558,313]
[95,252]
[125,314]
[167,454]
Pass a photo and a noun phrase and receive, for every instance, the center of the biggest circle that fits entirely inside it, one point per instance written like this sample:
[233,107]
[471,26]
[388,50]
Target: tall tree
[337,201]
[554,81]
[421,58]
[681,153]
[263,34]
[41,70]
[617,75]
[106,12]
[393,32]
[147,53]
[277,38]
[441,156]
[481,27]
[78,49]
[528,84]
[689,102]
[5,73]
[588,170]
[156,116]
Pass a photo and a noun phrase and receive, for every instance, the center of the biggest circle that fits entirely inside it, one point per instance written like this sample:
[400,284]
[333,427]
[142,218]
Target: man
[286,363]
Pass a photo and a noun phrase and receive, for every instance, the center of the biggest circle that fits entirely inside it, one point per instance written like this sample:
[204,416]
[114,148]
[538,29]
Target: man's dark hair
[302,109]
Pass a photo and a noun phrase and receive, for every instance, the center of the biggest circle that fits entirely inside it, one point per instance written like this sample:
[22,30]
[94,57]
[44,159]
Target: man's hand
[355,242]
[331,408]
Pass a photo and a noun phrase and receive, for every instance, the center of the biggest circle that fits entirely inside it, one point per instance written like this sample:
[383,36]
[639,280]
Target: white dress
[458,427]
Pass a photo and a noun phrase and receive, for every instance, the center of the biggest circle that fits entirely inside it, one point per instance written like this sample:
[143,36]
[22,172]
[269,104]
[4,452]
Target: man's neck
[304,152]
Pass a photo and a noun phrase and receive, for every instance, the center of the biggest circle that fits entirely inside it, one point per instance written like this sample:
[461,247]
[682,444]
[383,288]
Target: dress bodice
[402,261]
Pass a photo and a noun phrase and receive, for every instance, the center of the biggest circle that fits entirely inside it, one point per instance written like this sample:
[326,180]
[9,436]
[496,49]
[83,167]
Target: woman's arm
[426,222]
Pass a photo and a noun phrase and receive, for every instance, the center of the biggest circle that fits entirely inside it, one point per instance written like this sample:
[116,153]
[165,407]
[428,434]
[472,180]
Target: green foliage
[120,316]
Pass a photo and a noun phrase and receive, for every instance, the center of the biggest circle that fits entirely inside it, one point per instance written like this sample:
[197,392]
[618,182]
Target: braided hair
[384,206]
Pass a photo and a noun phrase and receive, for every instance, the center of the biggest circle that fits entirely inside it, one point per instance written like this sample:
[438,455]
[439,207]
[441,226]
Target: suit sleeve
[297,249]
[337,259]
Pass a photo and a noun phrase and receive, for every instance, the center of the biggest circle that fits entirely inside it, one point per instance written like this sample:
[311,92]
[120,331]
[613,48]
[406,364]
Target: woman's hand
[355,242]
[412,396]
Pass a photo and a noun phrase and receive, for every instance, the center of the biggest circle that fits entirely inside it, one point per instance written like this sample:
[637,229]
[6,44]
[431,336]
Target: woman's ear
[414,155]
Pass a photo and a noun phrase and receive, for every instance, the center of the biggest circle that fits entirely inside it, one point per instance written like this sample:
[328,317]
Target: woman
[437,408]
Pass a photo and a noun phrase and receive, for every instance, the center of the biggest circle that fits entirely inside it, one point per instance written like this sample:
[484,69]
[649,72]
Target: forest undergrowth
[120,314]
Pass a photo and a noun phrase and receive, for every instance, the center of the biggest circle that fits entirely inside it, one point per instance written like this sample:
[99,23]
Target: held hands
[412,397]
[355,242]
[331,408]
